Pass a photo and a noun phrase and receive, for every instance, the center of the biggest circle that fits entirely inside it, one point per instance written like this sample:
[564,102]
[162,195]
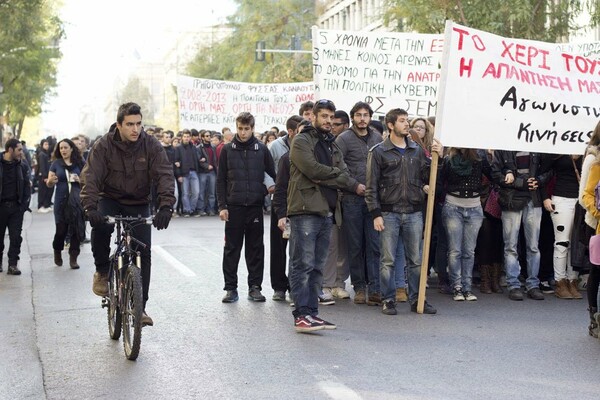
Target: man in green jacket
[317,171]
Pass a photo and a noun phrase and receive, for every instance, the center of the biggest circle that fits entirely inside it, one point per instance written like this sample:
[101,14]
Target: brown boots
[73,261]
[485,286]
[490,278]
[567,289]
[58,258]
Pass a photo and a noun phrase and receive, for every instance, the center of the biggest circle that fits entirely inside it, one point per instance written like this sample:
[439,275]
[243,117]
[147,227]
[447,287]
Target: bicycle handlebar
[111,219]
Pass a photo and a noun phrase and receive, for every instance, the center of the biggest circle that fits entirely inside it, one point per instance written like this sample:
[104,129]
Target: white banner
[385,69]
[586,49]
[512,94]
[211,104]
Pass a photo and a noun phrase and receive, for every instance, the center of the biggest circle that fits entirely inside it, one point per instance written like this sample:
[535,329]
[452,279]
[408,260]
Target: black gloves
[162,218]
[95,217]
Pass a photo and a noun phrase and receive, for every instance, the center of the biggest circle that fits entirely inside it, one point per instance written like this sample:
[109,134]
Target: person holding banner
[317,171]
[521,192]
[362,241]
[462,215]
[397,172]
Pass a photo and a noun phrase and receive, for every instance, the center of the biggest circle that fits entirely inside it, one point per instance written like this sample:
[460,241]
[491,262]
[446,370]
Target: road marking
[172,261]
[338,391]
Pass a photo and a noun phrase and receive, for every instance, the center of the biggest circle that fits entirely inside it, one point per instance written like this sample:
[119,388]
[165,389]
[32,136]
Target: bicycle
[125,301]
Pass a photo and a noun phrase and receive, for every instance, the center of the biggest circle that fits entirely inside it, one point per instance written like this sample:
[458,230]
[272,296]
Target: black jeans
[58,244]
[44,195]
[11,217]
[245,224]
[142,232]
[278,257]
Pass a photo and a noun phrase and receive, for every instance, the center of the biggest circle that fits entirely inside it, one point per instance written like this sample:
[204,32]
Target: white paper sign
[211,104]
[385,69]
[512,94]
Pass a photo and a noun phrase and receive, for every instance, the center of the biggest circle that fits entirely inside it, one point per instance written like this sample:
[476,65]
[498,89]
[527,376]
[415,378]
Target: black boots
[58,258]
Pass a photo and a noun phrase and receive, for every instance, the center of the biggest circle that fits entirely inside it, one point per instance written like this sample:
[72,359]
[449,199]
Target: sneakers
[44,210]
[340,293]
[360,297]
[374,299]
[255,294]
[389,308]
[231,296]
[326,302]
[457,295]
[13,270]
[535,294]
[401,296]
[146,320]
[302,324]
[100,285]
[427,309]
[546,288]
[469,296]
[321,322]
[279,295]
[515,294]
[327,293]
[186,215]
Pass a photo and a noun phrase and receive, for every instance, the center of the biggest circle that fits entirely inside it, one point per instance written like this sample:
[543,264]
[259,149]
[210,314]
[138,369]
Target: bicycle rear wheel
[115,317]
[134,307]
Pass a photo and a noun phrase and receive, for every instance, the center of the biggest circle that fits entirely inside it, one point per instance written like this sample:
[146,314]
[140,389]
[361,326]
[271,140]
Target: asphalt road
[54,341]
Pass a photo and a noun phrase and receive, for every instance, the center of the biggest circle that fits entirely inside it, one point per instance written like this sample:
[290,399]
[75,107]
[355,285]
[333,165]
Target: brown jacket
[125,171]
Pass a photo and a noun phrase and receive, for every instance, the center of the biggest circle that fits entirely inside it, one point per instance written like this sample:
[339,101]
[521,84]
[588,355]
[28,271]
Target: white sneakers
[44,210]
[339,293]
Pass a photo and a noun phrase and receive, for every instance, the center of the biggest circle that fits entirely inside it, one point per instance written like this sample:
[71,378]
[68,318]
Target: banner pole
[427,238]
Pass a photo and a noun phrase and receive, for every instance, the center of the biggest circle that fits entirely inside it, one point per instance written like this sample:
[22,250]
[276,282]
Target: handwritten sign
[385,69]
[512,94]
[586,49]
[212,104]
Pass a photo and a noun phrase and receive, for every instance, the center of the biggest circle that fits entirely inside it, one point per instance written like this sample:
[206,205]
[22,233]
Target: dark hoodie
[124,171]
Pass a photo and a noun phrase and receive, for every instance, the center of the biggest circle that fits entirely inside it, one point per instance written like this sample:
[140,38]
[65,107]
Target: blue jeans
[462,227]
[362,242]
[511,222]
[207,187]
[408,227]
[309,242]
[400,265]
[190,188]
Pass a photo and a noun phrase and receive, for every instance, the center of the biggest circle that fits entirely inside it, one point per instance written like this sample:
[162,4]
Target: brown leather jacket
[125,171]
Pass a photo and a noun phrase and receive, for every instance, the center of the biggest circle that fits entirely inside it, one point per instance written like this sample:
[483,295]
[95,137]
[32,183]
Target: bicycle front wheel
[114,312]
[134,307]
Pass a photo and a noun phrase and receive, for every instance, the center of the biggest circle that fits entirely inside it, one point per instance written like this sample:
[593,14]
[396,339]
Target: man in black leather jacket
[397,172]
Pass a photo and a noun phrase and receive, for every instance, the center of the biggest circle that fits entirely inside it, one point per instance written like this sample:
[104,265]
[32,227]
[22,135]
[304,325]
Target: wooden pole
[427,238]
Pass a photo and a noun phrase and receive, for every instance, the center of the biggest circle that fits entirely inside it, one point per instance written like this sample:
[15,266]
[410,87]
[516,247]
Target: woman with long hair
[64,175]
[462,215]
[590,176]
[422,133]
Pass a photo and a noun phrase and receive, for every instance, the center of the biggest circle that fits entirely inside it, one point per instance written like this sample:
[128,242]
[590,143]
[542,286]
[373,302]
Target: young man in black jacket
[15,193]
[240,195]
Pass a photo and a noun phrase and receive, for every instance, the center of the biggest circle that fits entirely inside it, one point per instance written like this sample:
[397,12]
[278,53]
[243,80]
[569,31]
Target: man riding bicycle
[117,180]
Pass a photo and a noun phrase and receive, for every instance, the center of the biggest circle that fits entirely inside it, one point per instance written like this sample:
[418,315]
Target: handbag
[492,207]
[595,249]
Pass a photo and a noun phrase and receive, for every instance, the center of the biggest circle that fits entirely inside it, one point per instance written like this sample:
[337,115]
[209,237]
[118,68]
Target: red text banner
[212,104]
[513,94]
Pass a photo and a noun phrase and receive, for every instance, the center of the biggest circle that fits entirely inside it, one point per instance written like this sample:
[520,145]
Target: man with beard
[317,171]
[397,172]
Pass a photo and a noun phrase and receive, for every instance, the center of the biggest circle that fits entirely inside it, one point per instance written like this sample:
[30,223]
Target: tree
[271,21]
[137,92]
[31,31]
[545,20]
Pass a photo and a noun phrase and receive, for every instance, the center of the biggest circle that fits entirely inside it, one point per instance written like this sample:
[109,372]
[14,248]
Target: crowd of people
[348,194]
